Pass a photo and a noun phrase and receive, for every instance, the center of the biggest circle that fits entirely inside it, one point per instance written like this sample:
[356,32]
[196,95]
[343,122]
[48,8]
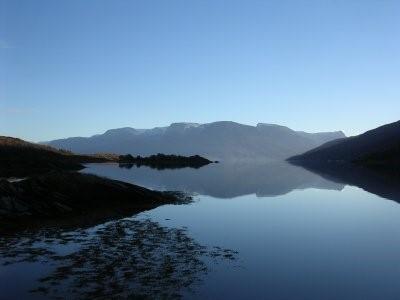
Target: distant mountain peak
[127,130]
[184,125]
[269,125]
[273,127]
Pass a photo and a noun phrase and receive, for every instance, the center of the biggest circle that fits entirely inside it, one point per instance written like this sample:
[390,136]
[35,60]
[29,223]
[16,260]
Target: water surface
[297,236]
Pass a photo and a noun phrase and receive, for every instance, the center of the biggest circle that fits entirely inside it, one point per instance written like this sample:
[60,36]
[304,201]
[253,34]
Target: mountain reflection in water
[315,238]
[221,180]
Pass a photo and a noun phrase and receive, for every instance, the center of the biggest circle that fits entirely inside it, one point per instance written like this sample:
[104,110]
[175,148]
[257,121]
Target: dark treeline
[163,161]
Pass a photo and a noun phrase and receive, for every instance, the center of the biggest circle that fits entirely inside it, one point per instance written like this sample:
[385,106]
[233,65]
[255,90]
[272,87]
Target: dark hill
[380,145]
[21,158]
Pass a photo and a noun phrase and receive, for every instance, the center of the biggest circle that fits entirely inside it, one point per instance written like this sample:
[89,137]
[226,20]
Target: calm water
[297,236]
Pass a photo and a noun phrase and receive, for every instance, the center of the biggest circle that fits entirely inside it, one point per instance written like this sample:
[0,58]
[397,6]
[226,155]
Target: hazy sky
[77,68]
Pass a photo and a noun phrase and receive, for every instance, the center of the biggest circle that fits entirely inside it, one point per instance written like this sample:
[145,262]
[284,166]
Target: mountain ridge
[222,140]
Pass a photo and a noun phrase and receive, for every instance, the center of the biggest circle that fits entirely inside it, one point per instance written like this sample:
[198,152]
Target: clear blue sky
[77,68]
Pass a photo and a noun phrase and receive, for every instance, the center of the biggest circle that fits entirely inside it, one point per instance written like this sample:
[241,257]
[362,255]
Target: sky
[80,67]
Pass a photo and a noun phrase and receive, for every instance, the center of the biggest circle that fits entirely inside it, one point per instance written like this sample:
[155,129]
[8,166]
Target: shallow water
[297,236]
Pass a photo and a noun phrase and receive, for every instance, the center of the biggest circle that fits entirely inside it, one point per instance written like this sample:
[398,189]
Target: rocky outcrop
[61,195]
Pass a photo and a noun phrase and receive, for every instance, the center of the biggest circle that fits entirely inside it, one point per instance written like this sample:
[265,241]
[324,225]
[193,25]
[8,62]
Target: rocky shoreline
[57,197]
[53,193]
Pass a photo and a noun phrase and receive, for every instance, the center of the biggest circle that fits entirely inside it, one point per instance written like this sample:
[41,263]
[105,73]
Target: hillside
[20,158]
[217,141]
[379,145]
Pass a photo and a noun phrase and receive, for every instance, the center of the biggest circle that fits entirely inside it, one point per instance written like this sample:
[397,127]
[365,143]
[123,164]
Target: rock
[60,196]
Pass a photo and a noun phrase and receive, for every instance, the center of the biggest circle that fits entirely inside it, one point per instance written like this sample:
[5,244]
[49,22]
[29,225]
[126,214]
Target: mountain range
[222,140]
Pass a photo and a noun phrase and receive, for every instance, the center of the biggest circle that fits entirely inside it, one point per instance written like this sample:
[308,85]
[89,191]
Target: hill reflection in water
[381,180]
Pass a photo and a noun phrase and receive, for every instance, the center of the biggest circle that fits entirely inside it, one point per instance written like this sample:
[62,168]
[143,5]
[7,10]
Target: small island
[163,161]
